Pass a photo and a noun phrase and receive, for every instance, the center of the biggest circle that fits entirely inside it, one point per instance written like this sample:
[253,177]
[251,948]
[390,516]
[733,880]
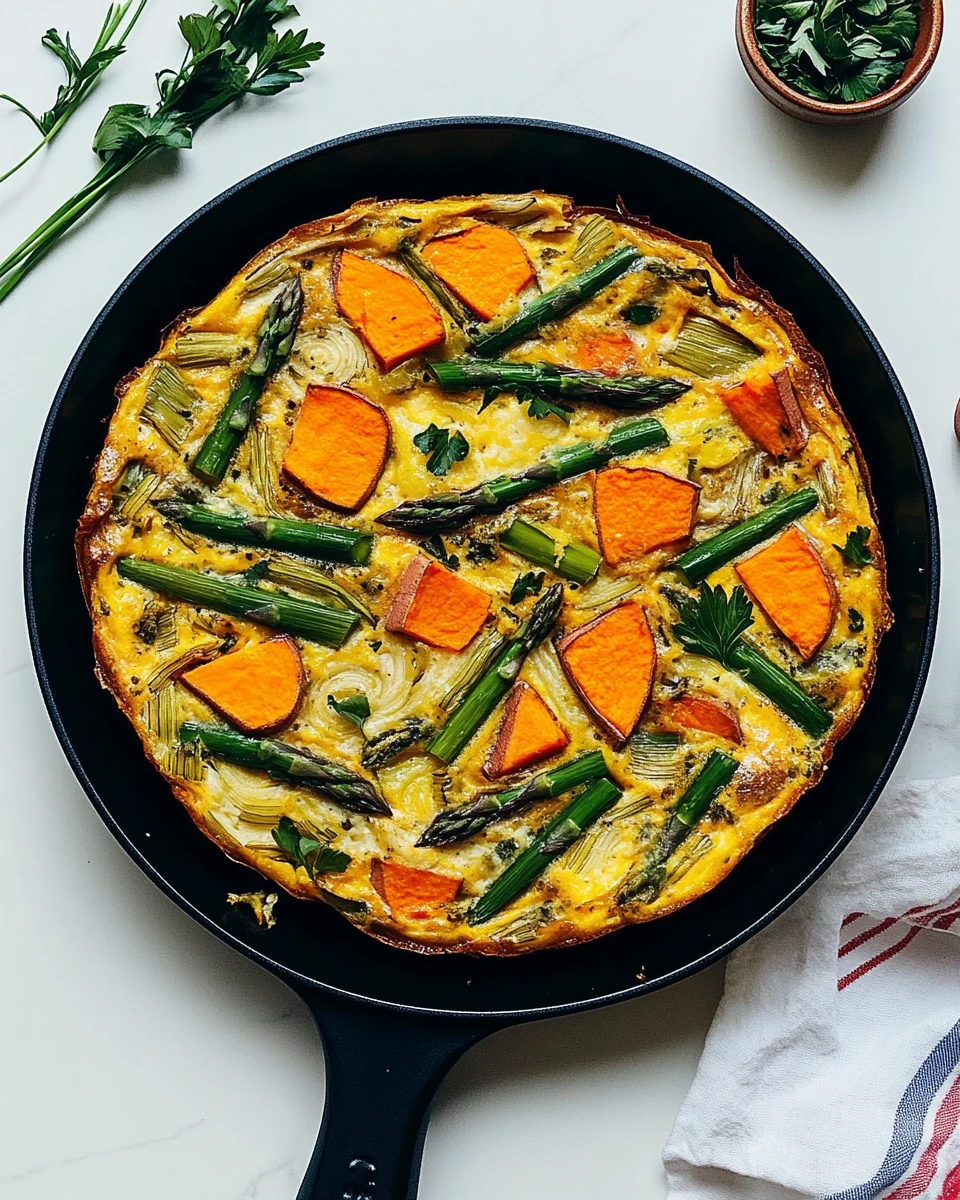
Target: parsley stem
[777,686]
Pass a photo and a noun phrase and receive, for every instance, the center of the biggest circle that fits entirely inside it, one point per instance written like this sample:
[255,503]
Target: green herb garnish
[314,856]
[435,548]
[642,314]
[855,620]
[445,448]
[856,550]
[81,76]
[841,51]
[526,585]
[232,51]
[352,708]
[713,625]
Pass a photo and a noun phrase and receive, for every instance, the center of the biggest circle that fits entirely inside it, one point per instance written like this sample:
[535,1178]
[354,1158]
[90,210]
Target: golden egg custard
[491,569]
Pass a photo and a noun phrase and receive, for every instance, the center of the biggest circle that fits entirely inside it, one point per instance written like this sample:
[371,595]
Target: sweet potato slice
[528,733]
[339,447]
[790,583]
[611,662]
[484,266]
[692,711]
[610,353]
[392,314]
[767,411]
[639,509]
[258,689]
[411,891]
[437,607]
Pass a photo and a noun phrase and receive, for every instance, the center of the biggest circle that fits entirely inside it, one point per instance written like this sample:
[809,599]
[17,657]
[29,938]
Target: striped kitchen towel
[832,1069]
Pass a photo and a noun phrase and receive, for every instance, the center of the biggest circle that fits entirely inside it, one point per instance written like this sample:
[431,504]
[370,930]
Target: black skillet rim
[507,1015]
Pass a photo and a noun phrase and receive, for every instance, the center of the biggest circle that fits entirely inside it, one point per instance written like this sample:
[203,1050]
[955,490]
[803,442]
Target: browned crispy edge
[563,934]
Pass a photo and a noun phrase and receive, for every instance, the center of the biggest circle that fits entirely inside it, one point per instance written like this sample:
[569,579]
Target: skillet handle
[382,1071]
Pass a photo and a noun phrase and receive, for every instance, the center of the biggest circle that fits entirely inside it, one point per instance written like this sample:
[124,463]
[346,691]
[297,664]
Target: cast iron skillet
[392,1022]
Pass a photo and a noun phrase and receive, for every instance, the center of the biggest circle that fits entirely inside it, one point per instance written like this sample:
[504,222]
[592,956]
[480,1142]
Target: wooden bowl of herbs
[837,62]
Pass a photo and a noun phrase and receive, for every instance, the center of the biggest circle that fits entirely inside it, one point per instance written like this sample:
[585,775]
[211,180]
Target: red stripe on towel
[944,1124]
[879,959]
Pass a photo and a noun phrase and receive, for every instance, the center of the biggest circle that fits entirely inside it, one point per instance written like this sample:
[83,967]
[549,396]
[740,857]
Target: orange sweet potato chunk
[692,711]
[528,733]
[258,689]
[611,353]
[767,411]
[639,509]
[339,447]
[793,587]
[437,607]
[411,891]
[484,266]
[611,663]
[394,316]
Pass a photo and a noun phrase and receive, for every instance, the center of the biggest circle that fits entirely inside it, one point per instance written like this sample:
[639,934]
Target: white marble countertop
[140,1056]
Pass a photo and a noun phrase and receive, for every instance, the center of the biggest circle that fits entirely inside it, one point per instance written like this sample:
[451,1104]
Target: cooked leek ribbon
[710,348]
[168,405]
[200,348]
[268,276]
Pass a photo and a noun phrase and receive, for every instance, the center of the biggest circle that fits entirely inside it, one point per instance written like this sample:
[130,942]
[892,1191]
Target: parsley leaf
[434,546]
[838,50]
[855,619]
[80,76]
[314,856]
[712,624]
[445,448]
[856,550]
[353,708]
[526,585]
[540,407]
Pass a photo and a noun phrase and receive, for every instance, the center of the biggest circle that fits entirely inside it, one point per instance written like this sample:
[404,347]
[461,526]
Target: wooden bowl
[821,112]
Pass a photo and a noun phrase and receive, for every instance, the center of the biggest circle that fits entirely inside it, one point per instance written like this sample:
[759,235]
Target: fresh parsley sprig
[81,76]
[314,856]
[355,709]
[856,549]
[444,446]
[526,585]
[713,625]
[838,50]
[232,51]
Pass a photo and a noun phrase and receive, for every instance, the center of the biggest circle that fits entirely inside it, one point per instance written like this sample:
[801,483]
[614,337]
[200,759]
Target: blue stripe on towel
[911,1116]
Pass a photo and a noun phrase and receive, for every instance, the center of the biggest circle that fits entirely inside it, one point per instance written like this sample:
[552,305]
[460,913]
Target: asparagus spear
[458,823]
[289,765]
[557,837]
[629,392]
[559,301]
[449,510]
[275,339]
[304,618]
[699,562]
[572,561]
[712,626]
[333,543]
[716,773]
[481,700]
